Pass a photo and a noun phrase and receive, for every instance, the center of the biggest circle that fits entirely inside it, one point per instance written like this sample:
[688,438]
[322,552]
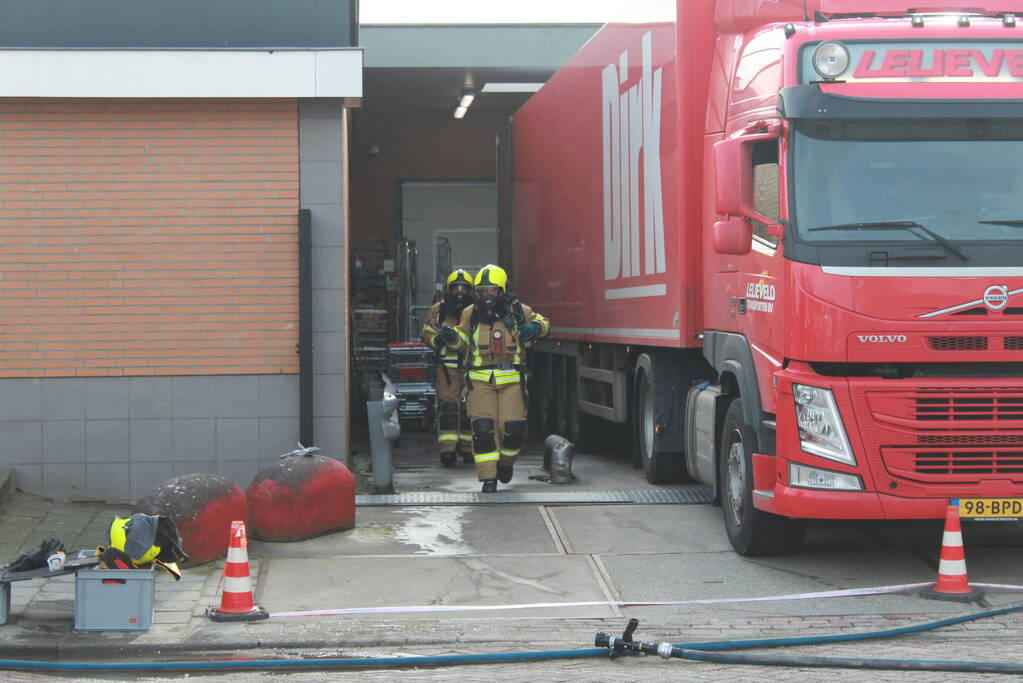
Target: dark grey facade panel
[150,24]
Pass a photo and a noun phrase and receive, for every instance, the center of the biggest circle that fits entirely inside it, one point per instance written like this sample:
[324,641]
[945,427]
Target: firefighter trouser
[452,422]
[498,416]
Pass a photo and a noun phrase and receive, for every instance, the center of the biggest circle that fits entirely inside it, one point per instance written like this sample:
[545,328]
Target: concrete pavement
[488,555]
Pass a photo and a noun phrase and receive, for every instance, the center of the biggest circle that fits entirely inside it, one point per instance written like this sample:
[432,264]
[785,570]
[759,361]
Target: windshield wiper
[894,225]
[1011,224]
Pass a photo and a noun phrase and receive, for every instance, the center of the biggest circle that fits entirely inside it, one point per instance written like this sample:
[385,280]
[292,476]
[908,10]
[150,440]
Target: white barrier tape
[877,590]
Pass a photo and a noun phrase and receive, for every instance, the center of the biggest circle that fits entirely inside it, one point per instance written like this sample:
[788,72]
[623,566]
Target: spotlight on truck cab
[830,60]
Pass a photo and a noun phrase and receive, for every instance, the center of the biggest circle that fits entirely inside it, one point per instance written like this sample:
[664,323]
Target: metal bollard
[383,429]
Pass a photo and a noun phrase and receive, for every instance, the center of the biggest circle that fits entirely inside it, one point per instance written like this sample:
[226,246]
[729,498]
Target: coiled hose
[707,651]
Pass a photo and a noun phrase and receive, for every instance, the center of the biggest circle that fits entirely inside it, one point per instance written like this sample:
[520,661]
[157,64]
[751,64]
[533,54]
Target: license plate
[991,508]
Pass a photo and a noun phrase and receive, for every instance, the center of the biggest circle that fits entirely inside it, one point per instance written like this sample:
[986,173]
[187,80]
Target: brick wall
[148,237]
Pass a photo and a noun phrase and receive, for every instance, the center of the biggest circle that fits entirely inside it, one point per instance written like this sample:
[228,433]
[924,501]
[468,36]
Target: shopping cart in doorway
[411,369]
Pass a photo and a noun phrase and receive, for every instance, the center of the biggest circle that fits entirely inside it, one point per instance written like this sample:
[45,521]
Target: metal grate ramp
[698,494]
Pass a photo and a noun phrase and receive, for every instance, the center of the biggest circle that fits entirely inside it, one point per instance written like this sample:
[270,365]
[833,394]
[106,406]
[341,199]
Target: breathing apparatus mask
[459,295]
[491,300]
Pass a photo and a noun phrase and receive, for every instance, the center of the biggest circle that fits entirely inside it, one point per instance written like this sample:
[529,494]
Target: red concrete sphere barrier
[300,497]
[203,506]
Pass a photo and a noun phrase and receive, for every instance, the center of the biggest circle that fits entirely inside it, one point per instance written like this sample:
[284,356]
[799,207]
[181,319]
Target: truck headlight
[820,426]
[814,478]
[830,60]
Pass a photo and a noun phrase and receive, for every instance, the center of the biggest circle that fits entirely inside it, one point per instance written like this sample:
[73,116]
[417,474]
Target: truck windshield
[952,181]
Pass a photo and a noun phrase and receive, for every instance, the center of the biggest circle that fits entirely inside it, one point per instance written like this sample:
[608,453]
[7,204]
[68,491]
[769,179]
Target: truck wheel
[660,467]
[750,531]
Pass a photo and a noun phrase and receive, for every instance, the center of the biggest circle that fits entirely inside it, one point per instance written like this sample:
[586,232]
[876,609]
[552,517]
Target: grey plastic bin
[114,599]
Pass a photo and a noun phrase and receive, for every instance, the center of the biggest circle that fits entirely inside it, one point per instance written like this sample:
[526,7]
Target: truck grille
[970,462]
[957,343]
[973,343]
[944,435]
[950,406]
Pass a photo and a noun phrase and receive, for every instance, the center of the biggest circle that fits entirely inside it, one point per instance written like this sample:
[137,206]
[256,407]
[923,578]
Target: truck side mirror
[733,175]
[733,237]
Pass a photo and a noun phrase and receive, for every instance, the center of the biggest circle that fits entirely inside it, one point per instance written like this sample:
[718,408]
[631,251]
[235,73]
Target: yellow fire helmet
[492,276]
[135,535]
[459,277]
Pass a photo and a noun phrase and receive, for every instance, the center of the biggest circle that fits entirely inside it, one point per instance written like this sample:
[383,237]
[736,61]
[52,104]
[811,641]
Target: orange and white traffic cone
[236,602]
[953,584]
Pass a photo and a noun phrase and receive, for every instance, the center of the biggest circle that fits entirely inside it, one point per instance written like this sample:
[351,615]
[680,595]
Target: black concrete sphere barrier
[203,506]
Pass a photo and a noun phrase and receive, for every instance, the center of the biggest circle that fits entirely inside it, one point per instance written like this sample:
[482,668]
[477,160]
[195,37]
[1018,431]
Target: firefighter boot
[448,458]
[489,485]
[504,473]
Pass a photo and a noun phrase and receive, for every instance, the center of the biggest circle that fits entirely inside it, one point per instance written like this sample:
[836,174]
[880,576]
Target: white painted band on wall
[181,73]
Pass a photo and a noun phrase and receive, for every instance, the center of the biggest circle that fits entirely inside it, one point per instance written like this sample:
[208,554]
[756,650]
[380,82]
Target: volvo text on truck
[782,243]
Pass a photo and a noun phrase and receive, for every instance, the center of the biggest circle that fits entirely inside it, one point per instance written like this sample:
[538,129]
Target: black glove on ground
[36,559]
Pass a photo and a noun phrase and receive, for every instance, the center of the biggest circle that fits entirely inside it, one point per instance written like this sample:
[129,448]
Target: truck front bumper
[790,501]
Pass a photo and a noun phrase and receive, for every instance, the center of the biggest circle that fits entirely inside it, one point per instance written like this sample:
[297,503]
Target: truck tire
[750,531]
[660,467]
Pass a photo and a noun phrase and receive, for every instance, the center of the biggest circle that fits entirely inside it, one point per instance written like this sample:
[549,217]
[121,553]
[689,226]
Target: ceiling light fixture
[467,97]
[512,87]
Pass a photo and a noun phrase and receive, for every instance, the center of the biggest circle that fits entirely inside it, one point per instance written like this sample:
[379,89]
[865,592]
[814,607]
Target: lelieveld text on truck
[789,242]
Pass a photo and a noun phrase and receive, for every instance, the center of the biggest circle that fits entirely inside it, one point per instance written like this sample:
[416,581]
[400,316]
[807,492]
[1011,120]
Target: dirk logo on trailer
[631,122]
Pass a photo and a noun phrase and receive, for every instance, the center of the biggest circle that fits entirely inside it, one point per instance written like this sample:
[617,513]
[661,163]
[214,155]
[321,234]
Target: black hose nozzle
[618,645]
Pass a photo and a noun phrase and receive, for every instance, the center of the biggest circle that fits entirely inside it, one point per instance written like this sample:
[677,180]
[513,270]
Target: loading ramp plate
[694,495]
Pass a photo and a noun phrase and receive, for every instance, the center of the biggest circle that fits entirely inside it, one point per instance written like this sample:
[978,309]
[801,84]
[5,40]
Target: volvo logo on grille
[996,297]
[882,338]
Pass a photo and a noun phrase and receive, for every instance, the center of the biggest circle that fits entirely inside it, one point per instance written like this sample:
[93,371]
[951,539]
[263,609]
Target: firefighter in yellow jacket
[453,432]
[494,333]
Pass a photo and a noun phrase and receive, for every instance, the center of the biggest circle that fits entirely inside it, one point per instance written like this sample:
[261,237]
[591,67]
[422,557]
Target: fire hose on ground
[613,646]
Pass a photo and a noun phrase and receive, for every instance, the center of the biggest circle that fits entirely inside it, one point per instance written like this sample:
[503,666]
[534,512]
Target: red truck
[782,241]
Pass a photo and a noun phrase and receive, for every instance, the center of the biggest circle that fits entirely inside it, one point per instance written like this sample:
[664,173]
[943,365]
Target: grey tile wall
[113,439]
[322,149]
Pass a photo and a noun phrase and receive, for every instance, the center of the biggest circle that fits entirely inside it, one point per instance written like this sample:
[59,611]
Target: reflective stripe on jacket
[494,352]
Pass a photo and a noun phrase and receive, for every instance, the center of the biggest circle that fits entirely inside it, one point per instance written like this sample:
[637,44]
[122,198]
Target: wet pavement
[494,557]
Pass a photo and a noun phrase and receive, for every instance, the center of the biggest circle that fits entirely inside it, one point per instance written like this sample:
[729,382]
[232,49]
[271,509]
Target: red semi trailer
[783,242]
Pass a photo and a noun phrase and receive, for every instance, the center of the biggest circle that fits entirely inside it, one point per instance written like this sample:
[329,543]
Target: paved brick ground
[41,628]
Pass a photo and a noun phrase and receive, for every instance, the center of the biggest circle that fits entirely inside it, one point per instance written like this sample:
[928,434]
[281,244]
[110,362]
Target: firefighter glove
[529,331]
[447,335]
[36,558]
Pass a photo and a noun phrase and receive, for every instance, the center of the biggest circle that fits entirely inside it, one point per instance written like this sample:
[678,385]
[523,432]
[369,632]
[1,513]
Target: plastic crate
[114,599]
